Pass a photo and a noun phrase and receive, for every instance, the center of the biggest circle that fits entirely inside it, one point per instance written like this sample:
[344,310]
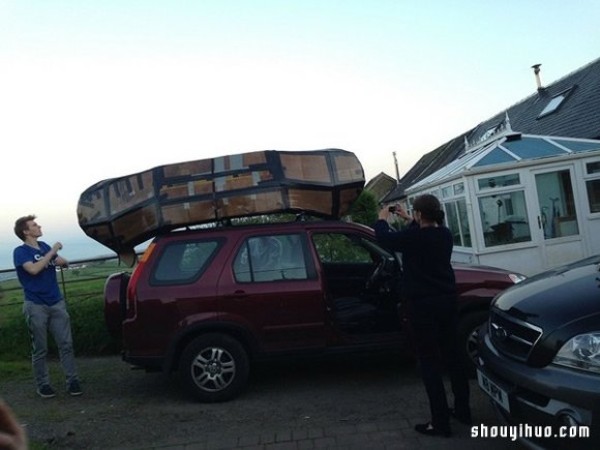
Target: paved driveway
[363,404]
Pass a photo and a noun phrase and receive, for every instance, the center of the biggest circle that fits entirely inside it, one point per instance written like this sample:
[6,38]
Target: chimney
[396,165]
[536,71]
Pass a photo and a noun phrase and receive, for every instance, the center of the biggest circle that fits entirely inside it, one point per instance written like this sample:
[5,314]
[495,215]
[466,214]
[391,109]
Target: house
[521,190]
[381,185]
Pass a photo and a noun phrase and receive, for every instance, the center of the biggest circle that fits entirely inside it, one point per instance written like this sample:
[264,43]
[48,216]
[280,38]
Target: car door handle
[240,294]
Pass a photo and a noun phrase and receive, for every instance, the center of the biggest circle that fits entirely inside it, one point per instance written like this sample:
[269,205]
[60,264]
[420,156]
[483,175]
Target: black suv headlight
[516,277]
[581,352]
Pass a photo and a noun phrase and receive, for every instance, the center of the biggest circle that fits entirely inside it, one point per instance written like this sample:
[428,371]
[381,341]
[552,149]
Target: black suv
[539,356]
[207,302]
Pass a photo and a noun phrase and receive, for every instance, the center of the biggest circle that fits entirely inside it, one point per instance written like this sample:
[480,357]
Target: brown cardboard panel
[250,204]
[186,189]
[185,213]
[130,191]
[308,168]
[319,201]
[242,180]
[190,168]
[92,208]
[254,158]
[346,198]
[136,223]
[346,169]
[241,161]
[102,233]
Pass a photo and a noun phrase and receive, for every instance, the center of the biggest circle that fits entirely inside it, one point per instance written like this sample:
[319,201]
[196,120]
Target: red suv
[208,302]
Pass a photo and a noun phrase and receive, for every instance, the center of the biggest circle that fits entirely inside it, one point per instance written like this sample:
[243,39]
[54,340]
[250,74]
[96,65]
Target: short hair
[21,225]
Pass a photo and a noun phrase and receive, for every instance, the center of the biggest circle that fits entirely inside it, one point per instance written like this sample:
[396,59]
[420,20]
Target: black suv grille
[512,336]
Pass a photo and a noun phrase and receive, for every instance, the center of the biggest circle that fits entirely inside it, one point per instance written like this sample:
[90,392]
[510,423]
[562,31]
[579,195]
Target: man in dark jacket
[429,290]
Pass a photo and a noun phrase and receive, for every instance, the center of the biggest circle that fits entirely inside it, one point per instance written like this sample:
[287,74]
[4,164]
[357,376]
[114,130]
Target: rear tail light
[132,286]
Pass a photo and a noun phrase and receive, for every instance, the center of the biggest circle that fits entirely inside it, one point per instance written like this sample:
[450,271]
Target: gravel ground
[130,409]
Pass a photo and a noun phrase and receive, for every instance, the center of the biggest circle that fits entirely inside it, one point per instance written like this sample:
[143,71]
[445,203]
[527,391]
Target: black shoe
[428,430]
[74,389]
[465,419]
[46,391]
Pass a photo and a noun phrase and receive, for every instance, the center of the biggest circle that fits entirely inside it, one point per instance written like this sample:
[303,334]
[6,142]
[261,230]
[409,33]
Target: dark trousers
[433,325]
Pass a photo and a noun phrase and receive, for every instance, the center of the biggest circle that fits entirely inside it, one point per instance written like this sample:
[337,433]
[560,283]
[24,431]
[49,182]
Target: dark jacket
[426,254]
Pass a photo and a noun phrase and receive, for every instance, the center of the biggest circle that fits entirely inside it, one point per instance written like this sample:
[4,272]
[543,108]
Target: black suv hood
[557,297]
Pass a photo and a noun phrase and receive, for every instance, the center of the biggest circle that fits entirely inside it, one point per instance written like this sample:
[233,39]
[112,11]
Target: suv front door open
[361,282]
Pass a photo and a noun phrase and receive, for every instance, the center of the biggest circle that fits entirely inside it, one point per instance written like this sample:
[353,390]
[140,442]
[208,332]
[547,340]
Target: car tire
[214,368]
[468,326]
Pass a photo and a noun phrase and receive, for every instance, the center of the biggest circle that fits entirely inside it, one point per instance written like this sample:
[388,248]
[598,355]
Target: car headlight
[516,278]
[581,352]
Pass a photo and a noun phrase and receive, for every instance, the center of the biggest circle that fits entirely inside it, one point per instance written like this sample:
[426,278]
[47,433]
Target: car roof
[231,228]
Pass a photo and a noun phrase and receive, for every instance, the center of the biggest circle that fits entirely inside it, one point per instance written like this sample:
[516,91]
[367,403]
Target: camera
[392,209]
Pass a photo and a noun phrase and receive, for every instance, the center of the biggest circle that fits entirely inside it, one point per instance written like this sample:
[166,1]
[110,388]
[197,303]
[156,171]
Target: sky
[92,90]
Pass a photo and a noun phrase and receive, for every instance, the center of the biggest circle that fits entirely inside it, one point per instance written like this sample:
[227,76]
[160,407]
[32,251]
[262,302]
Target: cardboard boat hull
[124,212]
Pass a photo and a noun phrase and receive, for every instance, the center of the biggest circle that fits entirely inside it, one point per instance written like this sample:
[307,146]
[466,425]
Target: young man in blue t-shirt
[44,307]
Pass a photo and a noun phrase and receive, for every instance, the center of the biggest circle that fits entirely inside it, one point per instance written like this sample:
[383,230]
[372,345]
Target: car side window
[270,258]
[183,261]
[341,248]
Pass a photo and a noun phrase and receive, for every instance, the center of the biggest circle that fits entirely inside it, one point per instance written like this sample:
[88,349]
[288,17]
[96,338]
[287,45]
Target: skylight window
[554,103]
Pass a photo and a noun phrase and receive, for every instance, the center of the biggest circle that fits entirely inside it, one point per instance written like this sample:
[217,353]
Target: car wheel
[468,327]
[214,368]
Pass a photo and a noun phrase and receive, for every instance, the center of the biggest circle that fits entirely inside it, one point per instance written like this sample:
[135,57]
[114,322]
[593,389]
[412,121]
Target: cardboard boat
[124,212]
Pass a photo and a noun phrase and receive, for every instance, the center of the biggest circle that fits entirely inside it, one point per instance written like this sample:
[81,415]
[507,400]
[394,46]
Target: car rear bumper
[149,364]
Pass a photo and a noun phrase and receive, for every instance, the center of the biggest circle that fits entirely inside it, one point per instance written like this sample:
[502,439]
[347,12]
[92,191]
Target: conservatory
[521,202]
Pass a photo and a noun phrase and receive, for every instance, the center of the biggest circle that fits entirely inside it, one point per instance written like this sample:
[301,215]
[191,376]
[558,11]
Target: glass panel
[496,156]
[241,265]
[459,188]
[578,146]
[498,181]
[452,222]
[552,105]
[457,221]
[593,167]
[557,204]
[530,148]
[340,248]
[184,261]
[447,192]
[270,258]
[464,222]
[504,218]
[593,191]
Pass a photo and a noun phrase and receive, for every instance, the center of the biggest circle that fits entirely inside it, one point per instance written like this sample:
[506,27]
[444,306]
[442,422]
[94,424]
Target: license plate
[493,390]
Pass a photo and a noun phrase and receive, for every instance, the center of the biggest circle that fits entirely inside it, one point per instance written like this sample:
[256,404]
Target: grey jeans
[42,319]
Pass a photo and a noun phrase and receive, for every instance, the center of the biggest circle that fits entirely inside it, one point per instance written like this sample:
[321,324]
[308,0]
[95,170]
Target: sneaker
[74,389]
[46,391]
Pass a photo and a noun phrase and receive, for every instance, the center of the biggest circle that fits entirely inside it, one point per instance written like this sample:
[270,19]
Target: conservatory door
[560,241]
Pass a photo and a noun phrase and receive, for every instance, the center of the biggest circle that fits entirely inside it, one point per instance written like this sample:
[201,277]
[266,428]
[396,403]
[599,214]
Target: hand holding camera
[398,211]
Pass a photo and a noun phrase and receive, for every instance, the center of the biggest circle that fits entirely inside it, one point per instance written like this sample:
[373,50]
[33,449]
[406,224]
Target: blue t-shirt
[42,288]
